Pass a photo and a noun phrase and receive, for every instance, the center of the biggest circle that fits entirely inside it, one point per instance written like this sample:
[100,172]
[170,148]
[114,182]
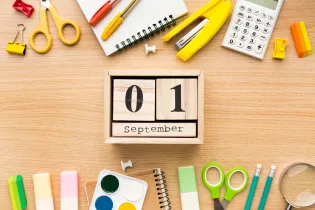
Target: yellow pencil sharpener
[279,52]
[14,47]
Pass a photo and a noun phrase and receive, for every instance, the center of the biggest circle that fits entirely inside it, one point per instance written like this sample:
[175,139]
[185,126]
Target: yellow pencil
[118,19]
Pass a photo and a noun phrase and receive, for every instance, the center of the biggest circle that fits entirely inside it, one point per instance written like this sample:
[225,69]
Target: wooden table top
[52,107]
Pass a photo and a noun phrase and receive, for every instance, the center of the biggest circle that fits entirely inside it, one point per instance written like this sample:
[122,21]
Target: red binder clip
[26,9]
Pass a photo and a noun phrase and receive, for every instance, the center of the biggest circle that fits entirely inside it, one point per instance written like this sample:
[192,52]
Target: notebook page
[144,15]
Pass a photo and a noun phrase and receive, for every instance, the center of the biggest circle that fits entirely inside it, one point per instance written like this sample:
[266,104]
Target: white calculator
[251,26]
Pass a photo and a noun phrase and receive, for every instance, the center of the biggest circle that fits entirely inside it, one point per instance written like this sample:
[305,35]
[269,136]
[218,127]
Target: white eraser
[69,190]
[43,193]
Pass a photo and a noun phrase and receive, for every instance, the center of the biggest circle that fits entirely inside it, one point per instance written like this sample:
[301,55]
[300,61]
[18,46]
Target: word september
[154,129]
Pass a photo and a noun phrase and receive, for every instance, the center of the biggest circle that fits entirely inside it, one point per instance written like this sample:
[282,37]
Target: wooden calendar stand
[154,107]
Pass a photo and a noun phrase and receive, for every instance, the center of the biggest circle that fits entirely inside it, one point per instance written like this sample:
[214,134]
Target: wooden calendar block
[134,100]
[154,129]
[177,99]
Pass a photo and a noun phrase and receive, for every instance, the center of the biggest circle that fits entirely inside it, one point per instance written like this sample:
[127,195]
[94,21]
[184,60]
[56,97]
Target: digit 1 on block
[133,100]
[179,106]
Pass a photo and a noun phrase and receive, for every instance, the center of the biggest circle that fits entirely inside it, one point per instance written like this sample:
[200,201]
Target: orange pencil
[104,10]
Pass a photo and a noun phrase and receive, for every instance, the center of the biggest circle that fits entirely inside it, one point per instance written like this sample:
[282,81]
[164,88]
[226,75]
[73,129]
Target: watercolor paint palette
[118,192]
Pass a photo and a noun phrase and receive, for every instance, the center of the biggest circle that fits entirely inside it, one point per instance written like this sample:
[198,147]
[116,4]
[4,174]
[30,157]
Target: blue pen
[253,187]
[267,188]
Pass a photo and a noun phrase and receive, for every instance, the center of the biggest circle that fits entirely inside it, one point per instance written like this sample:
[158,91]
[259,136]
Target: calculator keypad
[250,30]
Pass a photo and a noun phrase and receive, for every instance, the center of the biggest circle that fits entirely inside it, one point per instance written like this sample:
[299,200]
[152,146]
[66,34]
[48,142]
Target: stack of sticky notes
[302,42]
[17,193]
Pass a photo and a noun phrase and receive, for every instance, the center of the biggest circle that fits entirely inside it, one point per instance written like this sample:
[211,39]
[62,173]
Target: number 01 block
[134,100]
[176,99]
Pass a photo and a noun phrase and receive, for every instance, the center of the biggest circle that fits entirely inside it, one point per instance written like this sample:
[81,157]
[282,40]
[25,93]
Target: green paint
[187,179]
[21,190]
[110,184]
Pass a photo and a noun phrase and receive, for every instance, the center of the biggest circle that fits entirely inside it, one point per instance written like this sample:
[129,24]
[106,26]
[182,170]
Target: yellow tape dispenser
[15,47]
[214,13]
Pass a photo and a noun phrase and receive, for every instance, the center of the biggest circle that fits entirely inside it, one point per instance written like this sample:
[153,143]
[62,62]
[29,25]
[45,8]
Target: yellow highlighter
[118,19]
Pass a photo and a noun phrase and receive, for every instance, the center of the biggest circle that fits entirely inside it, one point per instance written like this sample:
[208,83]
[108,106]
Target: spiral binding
[161,187]
[167,22]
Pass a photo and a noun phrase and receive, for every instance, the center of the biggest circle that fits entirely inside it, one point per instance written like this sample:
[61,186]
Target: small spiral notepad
[146,20]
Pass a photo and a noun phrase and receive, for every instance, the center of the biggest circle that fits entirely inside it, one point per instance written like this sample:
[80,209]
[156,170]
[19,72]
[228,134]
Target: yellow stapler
[214,13]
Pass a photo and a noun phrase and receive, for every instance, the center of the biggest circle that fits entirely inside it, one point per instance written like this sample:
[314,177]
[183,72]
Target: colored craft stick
[301,39]
[69,190]
[21,190]
[43,193]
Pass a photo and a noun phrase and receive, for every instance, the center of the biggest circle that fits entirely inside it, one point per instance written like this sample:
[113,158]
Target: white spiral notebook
[147,19]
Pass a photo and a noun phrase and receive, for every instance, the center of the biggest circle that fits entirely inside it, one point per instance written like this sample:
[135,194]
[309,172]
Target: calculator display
[271,4]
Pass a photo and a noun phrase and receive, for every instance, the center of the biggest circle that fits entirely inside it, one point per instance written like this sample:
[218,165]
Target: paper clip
[15,47]
[26,9]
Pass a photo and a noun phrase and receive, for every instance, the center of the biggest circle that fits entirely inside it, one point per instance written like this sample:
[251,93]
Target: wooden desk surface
[52,107]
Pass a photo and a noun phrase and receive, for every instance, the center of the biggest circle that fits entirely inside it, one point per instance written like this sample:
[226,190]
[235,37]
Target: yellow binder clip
[214,13]
[279,52]
[15,47]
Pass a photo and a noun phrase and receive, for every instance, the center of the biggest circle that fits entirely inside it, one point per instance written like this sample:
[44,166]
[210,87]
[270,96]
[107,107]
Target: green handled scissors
[230,190]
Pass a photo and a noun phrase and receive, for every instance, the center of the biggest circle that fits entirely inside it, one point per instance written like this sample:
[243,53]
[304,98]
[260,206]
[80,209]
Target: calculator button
[236,28]
[232,41]
[248,24]
[250,17]
[249,10]
[245,31]
[241,44]
[233,34]
[249,47]
[258,20]
[259,47]
[257,13]
[256,27]
[243,38]
[254,34]
[251,41]
[242,7]
[267,24]
[263,15]
[238,21]
[271,18]
[262,37]
[266,30]
[240,14]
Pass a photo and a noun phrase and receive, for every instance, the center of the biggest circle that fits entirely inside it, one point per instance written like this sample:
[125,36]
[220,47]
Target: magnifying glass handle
[289,207]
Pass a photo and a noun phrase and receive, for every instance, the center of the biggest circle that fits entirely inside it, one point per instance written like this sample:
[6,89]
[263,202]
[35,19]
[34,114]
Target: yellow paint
[127,206]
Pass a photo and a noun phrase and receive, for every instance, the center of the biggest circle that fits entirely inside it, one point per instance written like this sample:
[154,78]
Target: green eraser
[187,179]
[21,190]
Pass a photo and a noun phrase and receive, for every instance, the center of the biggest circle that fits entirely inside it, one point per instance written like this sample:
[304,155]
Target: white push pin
[126,165]
[148,49]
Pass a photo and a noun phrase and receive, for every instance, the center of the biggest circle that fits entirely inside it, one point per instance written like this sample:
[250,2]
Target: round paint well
[133,191]
[104,203]
[127,206]
[110,184]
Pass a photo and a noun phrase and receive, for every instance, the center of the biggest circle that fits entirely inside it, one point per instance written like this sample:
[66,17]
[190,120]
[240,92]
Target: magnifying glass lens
[298,185]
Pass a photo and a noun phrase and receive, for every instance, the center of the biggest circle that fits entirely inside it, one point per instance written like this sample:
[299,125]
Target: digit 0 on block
[154,107]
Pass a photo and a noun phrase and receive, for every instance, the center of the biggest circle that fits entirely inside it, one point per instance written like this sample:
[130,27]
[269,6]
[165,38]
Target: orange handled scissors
[44,28]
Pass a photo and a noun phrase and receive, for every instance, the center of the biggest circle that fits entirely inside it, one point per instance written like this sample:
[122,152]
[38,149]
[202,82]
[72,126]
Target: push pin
[15,47]
[148,49]
[126,165]
[26,9]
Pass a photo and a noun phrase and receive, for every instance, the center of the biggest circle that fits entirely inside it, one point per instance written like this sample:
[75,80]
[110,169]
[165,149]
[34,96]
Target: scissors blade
[45,4]
[217,204]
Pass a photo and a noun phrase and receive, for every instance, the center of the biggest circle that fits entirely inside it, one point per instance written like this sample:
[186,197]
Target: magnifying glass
[297,185]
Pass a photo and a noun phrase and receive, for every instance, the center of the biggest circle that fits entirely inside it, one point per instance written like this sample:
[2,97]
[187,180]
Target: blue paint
[104,203]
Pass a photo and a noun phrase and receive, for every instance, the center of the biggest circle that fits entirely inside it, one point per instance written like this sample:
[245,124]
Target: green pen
[253,187]
[267,188]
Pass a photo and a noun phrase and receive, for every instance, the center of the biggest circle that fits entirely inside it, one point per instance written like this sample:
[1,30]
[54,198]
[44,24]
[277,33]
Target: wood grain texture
[52,115]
